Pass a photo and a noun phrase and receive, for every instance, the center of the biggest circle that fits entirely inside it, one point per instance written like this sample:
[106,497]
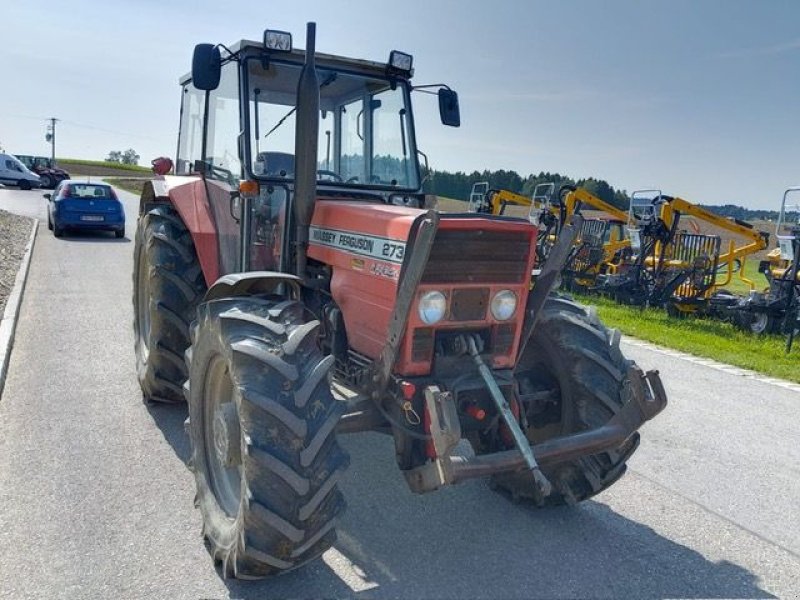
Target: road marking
[349,572]
[713,364]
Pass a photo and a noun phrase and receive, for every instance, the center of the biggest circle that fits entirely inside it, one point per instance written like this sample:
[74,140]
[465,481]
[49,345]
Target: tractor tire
[572,357]
[262,425]
[48,182]
[167,286]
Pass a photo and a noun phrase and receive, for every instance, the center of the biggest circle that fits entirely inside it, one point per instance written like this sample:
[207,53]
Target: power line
[84,126]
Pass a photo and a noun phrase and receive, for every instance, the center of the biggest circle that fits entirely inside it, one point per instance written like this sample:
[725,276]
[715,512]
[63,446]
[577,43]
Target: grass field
[701,337]
[737,286]
[99,168]
[133,185]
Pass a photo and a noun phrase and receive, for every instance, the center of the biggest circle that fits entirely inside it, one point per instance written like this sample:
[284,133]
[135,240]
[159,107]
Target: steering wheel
[332,174]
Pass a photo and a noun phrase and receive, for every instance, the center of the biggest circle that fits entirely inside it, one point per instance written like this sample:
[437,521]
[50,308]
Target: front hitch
[542,484]
[645,399]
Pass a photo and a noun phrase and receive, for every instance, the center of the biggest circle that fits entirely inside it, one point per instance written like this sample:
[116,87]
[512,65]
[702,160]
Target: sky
[696,98]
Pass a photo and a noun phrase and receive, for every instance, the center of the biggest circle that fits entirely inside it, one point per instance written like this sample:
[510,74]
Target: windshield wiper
[328,80]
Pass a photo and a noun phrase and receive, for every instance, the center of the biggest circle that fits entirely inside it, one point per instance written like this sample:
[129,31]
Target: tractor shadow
[170,419]
[470,542]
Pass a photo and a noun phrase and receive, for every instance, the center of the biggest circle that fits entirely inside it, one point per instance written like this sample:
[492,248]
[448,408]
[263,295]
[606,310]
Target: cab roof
[297,55]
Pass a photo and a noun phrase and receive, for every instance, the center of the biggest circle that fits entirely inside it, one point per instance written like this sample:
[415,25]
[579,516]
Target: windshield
[365,134]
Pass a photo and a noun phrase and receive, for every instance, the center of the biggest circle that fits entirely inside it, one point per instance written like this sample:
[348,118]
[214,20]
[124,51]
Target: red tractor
[51,174]
[290,287]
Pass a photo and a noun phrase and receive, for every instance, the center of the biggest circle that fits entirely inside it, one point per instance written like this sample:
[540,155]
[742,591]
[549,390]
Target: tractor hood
[472,259]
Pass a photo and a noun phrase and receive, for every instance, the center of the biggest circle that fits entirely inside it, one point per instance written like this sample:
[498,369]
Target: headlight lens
[432,307]
[504,304]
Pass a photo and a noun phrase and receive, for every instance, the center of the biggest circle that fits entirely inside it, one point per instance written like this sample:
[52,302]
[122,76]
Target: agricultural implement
[683,271]
[288,285]
[776,309]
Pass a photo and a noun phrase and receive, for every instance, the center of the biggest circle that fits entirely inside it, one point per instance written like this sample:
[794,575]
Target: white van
[13,172]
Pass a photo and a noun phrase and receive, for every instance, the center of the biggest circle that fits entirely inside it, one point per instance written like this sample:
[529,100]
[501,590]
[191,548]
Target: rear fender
[252,283]
[188,196]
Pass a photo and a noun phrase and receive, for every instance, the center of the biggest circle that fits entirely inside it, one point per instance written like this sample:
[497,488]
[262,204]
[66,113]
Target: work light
[280,41]
[400,61]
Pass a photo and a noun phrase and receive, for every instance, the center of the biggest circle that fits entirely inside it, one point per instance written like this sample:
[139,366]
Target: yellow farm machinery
[683,270]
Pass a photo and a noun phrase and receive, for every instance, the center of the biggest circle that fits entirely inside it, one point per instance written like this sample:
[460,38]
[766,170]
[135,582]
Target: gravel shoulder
[14,233]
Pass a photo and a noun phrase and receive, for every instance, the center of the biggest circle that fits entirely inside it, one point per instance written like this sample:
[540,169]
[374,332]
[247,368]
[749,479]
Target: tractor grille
[503,339]
[469,304]
[422,345]
[478,256]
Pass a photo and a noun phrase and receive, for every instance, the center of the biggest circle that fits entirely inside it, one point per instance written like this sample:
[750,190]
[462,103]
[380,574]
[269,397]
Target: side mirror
[48,196]
[448,108]
[206,67]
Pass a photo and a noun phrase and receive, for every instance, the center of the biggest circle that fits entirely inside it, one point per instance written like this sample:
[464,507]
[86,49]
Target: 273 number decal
[390,250]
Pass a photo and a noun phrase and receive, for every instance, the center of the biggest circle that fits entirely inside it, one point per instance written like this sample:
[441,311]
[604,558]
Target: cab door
[223,166]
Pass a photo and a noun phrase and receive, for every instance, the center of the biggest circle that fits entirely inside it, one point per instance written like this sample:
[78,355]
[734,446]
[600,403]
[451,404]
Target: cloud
[772,50]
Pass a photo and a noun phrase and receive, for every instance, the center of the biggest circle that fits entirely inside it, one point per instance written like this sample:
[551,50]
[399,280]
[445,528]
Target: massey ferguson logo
[384,249]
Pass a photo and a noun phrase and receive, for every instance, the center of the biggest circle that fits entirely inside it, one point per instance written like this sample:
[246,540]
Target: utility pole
[51,137]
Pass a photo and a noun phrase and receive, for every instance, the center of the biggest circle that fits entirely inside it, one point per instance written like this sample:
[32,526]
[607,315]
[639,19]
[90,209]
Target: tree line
[458,185]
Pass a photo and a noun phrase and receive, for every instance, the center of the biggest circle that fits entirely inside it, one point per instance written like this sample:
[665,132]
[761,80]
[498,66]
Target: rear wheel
[47,182]
[572,377]
[262,427]
[167,285]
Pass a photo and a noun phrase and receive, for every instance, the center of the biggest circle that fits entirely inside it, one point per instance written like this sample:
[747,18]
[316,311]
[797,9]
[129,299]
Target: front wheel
[572,377]
[24,184]
[167,285]
[262,428]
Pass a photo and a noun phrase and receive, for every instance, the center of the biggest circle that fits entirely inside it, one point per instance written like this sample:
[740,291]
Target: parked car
[49,173]
[14,172]
[84,205]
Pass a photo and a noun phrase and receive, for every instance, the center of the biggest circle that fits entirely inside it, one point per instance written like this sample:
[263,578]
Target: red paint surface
[188,196]
[367,300]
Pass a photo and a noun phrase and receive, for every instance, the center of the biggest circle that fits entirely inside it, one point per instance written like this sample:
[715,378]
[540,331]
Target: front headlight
[432,307]
[504,304]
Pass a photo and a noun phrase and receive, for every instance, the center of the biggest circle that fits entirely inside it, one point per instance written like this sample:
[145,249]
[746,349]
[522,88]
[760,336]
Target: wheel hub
[227,436]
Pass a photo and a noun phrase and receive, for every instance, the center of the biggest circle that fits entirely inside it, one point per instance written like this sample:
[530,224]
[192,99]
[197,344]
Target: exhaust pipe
[305,150]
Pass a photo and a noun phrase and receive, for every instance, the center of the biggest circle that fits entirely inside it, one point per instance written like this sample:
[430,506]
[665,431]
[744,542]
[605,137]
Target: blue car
[84,205]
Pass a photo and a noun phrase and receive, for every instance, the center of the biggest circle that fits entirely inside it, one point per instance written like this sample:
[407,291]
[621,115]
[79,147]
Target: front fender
[251,283]
[188,196]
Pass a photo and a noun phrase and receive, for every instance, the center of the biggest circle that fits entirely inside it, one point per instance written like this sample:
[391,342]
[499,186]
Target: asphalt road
[96,501]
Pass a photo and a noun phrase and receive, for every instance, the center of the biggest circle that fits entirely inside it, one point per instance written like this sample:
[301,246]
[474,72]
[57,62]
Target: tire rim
[143,304]
[222,437]
[759,323]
